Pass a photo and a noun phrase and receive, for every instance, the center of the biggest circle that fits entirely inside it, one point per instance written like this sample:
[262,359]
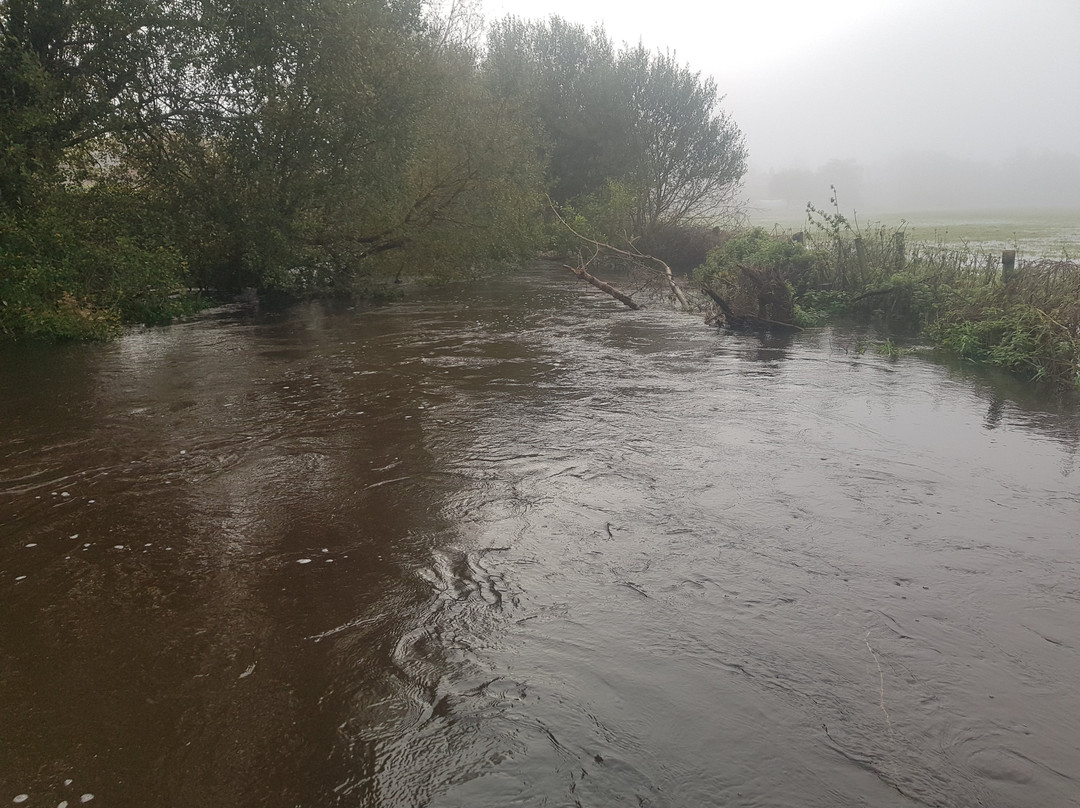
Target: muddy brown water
[507,544]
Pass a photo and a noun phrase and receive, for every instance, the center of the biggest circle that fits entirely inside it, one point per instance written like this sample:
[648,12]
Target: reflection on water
[507,544]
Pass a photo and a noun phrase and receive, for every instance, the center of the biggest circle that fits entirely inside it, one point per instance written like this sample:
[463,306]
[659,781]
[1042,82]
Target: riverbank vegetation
[1024,318]
[156,155]
[149,149]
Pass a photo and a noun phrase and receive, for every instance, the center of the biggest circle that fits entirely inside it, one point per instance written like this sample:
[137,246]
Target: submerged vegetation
[148,149]
[1024,318]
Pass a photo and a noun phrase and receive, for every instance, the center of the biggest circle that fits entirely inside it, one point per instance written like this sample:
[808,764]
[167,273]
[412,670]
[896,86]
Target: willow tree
[563,76]
[689,155]
[340,138]
[633,135]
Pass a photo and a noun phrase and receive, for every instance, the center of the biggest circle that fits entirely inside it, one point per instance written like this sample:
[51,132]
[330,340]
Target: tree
[690,156]
[74,71]
[619,124]
[299,146]
[345,137]
[563,75]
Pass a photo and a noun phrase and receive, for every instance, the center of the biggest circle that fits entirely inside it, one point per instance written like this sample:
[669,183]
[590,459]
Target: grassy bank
[1025,319]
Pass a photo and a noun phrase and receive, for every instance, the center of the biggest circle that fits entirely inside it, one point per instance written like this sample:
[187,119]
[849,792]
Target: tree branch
[636,256]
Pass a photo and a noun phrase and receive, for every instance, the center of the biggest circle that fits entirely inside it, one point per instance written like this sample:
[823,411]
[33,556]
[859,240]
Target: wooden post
[1008,265]
[898,242]
[860,255]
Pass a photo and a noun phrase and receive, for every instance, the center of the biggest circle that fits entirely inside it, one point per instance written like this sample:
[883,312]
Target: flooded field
[506,544]
[1051,234]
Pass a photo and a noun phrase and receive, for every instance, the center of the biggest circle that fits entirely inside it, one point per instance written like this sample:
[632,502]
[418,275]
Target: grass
[1035,234]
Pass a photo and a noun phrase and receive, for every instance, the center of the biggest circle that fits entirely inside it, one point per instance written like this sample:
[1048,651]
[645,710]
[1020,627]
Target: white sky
[812,80]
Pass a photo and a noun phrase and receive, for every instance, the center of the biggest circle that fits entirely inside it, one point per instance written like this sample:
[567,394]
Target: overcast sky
[813,80]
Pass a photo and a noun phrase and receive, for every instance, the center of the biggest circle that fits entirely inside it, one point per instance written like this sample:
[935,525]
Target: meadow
[1034,234]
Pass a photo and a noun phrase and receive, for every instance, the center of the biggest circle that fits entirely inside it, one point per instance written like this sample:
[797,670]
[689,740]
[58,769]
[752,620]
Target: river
[509,544]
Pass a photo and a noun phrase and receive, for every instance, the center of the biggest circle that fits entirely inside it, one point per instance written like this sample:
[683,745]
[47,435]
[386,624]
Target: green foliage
[756,248]
[83,263]
[891,350]
[562,76]
[851,259]
[627,128]
[24,116]
[683,247]
[807,316]
[321,147]
[1028,323]
[1021,338]
[312,147]
[365,142]
[818,307]
[749,273]
[687,156]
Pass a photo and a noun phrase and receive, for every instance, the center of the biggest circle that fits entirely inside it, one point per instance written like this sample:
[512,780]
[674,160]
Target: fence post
[860,255]
[1008,265]
[898,242]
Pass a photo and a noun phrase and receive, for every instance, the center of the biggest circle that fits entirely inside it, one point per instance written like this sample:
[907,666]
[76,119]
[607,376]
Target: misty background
[922,180]
[901,104]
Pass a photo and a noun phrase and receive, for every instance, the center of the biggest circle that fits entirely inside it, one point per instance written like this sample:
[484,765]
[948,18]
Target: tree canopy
[629,117]
[147,146]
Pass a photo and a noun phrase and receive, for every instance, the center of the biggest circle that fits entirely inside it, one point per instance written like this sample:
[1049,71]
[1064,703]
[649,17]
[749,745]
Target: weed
[891,349]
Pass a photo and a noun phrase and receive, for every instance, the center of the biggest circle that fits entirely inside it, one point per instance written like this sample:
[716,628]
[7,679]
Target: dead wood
[636,257]
[719,301]
[752,299]
[603,286]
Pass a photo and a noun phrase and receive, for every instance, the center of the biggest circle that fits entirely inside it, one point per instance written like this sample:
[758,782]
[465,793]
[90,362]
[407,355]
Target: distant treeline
[930,181]
[149,148]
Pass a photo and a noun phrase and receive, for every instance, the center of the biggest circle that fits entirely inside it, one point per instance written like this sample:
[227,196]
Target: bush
[750,273]
[84,261]
[682,247]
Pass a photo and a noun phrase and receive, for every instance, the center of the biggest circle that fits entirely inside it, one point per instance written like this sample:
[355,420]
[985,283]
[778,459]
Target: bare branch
[636,257]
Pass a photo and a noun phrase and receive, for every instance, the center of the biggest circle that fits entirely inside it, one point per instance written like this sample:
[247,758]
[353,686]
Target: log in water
[515,545]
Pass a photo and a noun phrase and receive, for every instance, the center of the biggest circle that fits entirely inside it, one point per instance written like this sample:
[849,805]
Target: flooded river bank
[508,544]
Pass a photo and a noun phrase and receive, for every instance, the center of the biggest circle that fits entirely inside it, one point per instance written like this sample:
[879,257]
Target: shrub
[1020,338]
[84,261]
[750,273]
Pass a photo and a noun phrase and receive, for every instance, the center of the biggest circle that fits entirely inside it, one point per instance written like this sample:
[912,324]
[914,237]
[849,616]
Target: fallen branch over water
[603,286]
[634,256]
[744,322]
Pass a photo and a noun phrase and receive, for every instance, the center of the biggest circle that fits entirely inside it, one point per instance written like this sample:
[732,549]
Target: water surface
[509,544]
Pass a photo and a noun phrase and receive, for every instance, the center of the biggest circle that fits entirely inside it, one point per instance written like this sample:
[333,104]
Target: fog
[924,181]
[902,104]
